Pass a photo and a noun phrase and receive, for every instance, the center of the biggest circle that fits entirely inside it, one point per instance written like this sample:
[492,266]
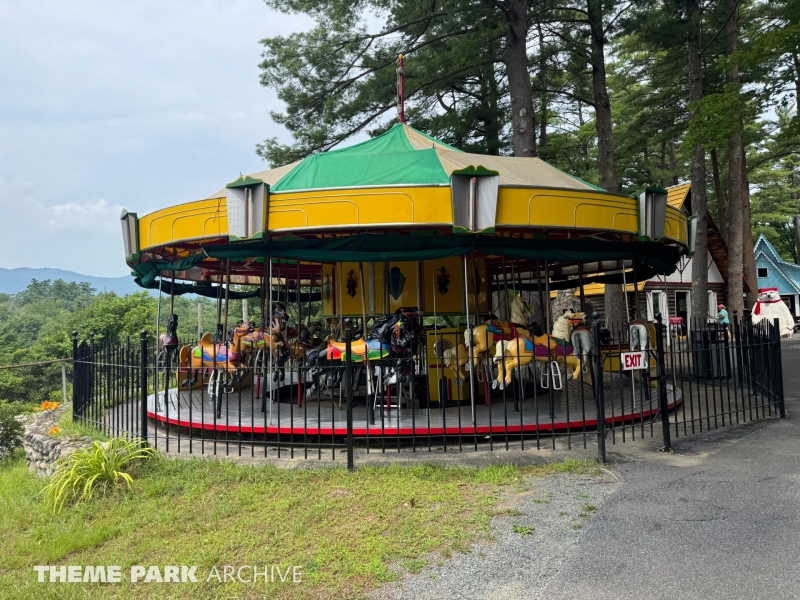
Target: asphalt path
[719,518]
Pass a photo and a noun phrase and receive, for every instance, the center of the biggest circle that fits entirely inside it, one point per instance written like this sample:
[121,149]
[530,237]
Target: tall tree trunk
[722,200]
[602,104]
[523,119]
[673,162]
[735,171]
[700,307]
[797,239]
[614,297]
[564,299]
[796,60]
[543,84]
[748,244]
[490,114]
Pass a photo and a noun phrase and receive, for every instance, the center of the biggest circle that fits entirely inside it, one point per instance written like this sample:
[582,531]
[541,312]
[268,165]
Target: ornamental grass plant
[101,468]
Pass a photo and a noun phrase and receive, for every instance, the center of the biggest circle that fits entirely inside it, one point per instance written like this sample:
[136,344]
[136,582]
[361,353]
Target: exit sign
[633,360]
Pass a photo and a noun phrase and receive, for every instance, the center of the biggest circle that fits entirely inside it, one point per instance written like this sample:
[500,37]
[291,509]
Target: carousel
[412,280]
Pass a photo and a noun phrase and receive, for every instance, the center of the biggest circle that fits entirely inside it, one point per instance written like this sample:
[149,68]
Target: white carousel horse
[638,336]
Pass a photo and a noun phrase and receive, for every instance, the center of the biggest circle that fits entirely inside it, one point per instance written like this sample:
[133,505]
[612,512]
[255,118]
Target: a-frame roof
[788,272]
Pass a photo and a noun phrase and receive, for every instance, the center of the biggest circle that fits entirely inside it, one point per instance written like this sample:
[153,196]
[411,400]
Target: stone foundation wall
[41,449]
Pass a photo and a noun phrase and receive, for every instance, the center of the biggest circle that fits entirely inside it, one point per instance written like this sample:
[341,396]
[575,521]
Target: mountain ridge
[15,280]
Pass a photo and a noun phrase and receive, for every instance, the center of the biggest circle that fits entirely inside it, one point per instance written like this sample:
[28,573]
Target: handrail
[36,364]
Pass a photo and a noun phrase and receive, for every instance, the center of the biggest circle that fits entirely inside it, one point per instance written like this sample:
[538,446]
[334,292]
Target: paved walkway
[719,518]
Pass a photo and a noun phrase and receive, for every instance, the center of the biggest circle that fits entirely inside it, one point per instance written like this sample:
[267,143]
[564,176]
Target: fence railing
[442,397]
[37,382]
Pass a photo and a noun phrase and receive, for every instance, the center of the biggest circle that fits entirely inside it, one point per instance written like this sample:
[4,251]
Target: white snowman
[771,307]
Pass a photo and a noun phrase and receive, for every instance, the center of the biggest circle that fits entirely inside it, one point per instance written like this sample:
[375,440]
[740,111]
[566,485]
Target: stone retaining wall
[41,449]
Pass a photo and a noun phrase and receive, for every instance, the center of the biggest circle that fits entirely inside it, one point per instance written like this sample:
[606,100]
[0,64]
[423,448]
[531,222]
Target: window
[763,272]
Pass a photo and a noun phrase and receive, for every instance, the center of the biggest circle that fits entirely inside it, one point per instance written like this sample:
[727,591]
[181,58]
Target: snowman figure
[771,307]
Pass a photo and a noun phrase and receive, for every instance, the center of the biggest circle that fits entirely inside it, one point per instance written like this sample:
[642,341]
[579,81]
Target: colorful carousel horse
[225,361]
[486,335]
[390,336]
[306,341]
[260,342]
[550,349]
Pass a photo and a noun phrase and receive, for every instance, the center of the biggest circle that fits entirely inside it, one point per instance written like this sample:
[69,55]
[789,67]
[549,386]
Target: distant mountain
[16,280]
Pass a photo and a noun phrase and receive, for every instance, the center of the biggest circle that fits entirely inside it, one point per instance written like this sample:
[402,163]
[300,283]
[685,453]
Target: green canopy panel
[208,291]
[380,248]
[339,168]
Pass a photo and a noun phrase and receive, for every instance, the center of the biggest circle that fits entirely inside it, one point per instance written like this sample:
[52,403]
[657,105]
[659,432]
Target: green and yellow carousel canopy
[405,156]
[401,196]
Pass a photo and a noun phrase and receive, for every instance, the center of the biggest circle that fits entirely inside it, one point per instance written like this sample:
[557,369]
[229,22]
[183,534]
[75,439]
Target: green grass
[70,428]
[522,529]
[347,530]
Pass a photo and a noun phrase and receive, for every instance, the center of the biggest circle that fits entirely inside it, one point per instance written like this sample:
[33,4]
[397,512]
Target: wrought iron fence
[445,396]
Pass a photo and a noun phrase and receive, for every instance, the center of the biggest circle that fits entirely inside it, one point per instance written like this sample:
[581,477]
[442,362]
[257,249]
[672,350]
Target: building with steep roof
[774,272]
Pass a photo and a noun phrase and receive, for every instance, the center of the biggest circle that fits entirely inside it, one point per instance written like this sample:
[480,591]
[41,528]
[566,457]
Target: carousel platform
[573,408]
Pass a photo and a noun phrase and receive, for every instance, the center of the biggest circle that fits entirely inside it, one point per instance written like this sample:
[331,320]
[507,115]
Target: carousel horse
[638,335]
[486,335]
[547,348]
[257,340]
[391,335]
[455,359]
[307,340]
[167,348]
[168,342]
[224,359]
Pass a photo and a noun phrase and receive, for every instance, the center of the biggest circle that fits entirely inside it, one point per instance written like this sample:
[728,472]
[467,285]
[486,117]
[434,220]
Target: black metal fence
[633,382]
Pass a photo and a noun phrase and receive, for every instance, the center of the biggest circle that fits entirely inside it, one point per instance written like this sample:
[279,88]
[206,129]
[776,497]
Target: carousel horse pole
[299,335]
[272,384]
[220,386]
[172,340]
[364,325]
[469,328]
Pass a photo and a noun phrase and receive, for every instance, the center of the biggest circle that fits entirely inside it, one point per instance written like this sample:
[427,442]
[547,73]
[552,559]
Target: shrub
[11,430]
[78,476]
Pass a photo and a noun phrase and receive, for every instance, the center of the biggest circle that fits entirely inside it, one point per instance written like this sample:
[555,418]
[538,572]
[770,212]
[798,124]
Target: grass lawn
[346,530]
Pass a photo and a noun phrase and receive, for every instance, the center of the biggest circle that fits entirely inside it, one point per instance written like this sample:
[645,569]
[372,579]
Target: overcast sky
[106,104]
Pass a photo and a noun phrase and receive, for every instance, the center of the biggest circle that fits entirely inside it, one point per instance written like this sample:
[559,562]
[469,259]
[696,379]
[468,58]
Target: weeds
[522,529]
[80,474]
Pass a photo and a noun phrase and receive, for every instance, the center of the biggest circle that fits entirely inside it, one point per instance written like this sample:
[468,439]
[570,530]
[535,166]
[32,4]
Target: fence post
[64,380]
[598,390]
[779,369]
[143,385]
[75,377]
[348,381]
[661,369]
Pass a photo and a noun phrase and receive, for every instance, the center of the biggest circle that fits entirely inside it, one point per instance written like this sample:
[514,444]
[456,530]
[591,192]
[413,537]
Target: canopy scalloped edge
[375,248]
